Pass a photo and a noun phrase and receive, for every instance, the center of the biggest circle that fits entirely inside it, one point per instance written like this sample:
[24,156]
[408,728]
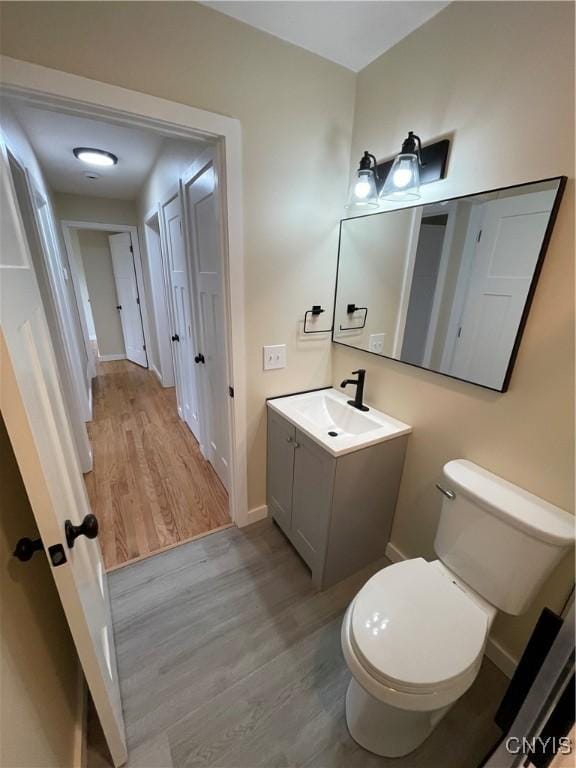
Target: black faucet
[359,382]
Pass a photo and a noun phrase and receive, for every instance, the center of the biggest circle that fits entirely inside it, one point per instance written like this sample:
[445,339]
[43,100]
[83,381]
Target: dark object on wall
[544,634]
[316,311]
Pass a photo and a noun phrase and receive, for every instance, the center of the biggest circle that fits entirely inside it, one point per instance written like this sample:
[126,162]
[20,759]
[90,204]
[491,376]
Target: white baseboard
[156,372]
[258,513]
[497,654]
[108,358]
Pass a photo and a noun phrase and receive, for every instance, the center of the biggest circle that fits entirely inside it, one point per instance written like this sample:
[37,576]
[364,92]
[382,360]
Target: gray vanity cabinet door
[280,475]
[314,471]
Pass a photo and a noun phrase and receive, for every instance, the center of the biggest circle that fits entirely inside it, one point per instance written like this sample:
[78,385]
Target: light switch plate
[274,357]
[376,343]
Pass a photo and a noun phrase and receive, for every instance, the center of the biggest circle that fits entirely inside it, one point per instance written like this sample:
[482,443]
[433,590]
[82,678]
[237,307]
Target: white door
[505,258]
[182,337]
[128,298]
[205,239]
[33,409]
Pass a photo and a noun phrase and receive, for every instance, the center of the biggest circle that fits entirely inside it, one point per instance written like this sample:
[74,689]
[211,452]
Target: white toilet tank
[500,539]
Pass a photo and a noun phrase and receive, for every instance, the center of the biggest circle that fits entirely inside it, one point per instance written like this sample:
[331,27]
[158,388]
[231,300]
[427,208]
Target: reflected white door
[128,298]
[180,311]
[505,258]
[33,409]
[204,222]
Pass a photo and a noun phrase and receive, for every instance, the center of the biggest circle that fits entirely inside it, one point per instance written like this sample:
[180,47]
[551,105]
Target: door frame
[116,229]
[52,88]
[51,278]
[160,310]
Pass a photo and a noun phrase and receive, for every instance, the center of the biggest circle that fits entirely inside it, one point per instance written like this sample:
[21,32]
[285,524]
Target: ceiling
[54,135]
[349,32]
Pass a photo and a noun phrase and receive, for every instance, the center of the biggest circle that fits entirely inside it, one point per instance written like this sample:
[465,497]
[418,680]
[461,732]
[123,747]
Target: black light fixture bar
[434,161]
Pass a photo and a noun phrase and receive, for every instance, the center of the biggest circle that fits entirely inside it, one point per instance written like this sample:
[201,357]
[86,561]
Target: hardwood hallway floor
[150,487]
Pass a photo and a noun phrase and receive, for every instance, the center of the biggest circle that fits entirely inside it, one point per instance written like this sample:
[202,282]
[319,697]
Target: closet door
[205,242]
[181,317]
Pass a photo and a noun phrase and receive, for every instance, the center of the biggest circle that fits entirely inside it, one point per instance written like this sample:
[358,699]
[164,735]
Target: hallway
[150,488]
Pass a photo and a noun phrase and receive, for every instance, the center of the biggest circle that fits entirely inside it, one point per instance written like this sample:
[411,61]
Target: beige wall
[97,261]
[498,78]
[296,115]
[39,699]
[97,210]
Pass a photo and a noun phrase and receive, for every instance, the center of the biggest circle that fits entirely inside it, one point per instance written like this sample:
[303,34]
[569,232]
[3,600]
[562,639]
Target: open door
[128,298]
[33,409]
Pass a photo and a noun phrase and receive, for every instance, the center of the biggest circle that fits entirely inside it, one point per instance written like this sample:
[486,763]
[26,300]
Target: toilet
[414,636]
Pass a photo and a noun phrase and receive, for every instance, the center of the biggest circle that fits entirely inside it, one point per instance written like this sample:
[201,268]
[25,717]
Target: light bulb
[362,189]
[402,177]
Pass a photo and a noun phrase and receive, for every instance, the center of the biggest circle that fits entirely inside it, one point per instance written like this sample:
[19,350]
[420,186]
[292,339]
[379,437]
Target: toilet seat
[414,630]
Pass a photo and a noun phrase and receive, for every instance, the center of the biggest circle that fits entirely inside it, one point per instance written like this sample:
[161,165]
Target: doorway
[39,427]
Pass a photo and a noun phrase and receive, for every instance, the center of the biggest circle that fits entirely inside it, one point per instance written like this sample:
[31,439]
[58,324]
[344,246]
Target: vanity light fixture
[363,189]
[95,156]
[398,179]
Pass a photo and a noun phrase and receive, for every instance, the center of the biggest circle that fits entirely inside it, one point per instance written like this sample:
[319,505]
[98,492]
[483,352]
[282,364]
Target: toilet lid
[416,629]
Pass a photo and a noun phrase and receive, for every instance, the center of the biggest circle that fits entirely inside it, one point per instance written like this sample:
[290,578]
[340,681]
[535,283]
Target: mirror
[446,286]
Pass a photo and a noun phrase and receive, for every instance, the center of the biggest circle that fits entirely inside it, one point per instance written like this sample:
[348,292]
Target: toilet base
[386,730]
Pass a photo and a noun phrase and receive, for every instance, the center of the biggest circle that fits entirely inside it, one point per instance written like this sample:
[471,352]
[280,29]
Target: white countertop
[318,413]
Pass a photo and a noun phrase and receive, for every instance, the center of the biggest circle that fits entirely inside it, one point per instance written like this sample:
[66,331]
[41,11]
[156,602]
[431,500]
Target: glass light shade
[403,181]
[363,192]
[95,156]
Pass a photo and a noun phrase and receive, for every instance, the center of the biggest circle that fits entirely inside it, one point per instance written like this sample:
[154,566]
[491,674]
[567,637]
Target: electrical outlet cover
[376,343]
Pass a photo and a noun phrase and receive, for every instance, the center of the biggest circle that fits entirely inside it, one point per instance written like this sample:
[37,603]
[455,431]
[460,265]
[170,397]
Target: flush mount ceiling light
[95,156]
[398,180]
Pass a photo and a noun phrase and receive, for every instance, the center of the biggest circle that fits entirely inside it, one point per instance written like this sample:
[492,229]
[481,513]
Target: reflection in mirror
[445,286]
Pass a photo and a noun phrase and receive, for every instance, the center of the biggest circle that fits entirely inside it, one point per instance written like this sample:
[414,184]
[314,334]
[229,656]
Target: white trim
[256,514]
[108,358]
[450,209]
[55,89]
[497,654]
[159,297]
[88,347]
[157,373]
[407,282]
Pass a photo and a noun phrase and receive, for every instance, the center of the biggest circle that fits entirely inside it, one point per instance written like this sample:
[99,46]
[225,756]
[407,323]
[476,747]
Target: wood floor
[228,657]
[150,487]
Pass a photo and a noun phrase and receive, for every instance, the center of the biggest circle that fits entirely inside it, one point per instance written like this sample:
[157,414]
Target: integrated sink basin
[326,418]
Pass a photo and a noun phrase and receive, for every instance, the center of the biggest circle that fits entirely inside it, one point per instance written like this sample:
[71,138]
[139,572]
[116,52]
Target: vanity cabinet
[336,511]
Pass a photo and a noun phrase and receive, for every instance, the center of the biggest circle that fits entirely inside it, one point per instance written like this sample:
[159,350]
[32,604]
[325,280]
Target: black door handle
[199,358]
[118,306]
[175,337]
[88,527]
[26,547]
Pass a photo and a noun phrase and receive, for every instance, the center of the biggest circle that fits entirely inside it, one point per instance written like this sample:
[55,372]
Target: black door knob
[119,306]
[26,547]
[175,337]
[199,358]
[88,527]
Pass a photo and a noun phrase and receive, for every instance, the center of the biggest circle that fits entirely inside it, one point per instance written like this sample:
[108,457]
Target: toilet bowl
[413,639]
[414,636]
